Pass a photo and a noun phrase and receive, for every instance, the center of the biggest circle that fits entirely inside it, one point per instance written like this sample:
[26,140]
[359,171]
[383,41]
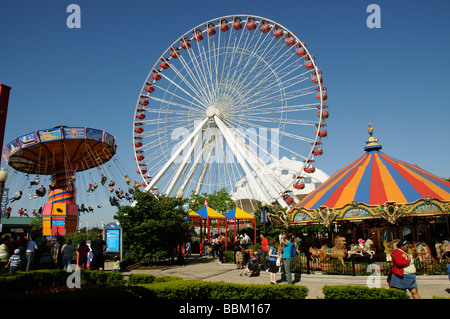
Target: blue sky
[395,77]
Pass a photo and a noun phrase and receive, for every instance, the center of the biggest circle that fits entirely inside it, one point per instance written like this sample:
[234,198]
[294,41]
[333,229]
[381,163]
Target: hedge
[197,289]
[55,281]
[140,279]
[99,284]
[361,292]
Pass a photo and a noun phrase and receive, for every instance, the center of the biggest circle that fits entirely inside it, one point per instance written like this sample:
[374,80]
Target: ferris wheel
[223,102]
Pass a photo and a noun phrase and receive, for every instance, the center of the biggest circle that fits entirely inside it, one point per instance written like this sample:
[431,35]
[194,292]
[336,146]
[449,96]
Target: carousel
[378,199]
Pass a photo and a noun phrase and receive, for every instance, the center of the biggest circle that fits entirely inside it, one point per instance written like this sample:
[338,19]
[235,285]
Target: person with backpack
[287,258]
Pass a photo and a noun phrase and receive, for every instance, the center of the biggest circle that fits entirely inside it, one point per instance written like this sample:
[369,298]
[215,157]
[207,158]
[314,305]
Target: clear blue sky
[395,77]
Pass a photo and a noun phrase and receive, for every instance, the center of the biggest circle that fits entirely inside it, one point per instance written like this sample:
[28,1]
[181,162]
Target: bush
[142,279]
[360,292]
[55,280]
[197,289]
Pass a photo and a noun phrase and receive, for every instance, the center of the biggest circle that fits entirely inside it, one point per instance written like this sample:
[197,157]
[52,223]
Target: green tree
[153,227]
[219,200]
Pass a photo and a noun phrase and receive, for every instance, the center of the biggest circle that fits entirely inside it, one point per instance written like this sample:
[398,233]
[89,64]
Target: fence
[361,266]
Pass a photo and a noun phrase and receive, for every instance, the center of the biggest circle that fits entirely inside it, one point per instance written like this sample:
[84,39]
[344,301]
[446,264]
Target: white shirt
[31,246]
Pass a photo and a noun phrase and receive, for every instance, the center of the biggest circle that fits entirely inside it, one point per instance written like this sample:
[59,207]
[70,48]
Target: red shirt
[265,243]
[401,260]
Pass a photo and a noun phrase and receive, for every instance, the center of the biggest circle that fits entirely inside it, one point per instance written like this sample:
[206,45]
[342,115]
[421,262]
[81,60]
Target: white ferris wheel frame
[248,160]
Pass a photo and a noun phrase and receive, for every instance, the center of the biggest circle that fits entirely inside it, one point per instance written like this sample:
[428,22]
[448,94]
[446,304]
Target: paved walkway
[209,269]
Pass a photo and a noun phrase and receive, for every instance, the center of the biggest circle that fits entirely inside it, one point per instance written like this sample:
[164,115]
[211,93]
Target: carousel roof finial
[372,142]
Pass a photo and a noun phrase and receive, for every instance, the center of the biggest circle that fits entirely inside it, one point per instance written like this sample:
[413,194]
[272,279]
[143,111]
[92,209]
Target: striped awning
[374,179]
[208,212]
[238,214]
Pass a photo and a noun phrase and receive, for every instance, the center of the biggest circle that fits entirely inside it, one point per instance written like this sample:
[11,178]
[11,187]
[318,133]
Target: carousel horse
[338,251]
[362,248]
[443,249]
[387,250]
[423,252]
[315,254]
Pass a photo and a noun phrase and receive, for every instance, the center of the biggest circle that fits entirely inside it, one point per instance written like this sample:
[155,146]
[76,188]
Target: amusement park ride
[225,100]
[62,153]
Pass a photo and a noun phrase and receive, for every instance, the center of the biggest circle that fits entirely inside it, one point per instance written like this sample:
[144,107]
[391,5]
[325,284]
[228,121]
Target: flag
[206,202]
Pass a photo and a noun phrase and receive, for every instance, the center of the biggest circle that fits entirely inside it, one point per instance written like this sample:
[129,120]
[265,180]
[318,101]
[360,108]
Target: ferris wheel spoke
[198,105]
[285,108]
[264,69]
[273,141]
[196,97]
[286,84]
[197,76]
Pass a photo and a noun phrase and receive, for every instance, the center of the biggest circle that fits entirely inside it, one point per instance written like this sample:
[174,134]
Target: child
[14,262]
[116,266]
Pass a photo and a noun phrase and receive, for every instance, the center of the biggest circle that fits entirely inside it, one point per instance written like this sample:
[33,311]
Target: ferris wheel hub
[213,111]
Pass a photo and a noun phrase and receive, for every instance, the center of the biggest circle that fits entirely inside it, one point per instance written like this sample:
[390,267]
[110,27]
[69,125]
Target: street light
[179,194]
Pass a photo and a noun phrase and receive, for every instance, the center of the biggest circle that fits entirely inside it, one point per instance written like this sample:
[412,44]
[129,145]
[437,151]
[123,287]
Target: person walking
[98,248]
[31,248]
[287,257]
[273,269]
[238,253]
[56,253]
[67,252]
[264,251]
[83,251]
[14,262]
[403,270]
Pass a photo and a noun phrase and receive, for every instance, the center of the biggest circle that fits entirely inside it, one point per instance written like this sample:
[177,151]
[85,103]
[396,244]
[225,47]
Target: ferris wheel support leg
[195,165]
[262,171]
[204,169]
[175,155]
[182,166]
[231,142]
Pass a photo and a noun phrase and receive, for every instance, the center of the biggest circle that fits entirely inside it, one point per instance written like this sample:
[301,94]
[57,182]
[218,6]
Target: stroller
[252,268]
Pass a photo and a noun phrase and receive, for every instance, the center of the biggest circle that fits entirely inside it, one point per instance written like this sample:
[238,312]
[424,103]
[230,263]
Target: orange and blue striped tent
[374,179]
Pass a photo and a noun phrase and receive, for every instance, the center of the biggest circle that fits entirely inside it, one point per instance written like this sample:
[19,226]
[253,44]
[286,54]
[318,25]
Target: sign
[4,202]
[263,216]
[58,223]
[112,232]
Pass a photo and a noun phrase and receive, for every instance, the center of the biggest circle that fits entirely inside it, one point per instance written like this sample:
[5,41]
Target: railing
[361,266]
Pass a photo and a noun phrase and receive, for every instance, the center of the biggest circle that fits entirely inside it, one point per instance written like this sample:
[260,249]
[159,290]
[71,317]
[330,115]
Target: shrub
[197,289]
[142,279]
[361,292]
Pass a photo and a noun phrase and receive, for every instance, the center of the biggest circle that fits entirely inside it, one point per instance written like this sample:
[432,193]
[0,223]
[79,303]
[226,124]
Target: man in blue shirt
[287,257]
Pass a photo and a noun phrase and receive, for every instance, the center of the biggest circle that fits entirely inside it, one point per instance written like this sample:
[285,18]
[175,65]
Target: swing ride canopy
[375,185]
[41,152]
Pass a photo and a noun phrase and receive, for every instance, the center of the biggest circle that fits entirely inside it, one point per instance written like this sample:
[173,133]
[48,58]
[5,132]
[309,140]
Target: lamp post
[180,259]
[3,178]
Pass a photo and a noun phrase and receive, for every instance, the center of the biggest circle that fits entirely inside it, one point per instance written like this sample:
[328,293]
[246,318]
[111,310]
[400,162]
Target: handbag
[278,262]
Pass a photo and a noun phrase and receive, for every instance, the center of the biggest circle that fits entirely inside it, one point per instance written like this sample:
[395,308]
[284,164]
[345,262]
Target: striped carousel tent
[373,186]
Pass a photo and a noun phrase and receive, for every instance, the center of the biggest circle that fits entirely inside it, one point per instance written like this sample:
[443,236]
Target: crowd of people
[26,254]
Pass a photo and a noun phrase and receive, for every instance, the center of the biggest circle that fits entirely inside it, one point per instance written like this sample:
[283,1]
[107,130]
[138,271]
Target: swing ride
[57,157]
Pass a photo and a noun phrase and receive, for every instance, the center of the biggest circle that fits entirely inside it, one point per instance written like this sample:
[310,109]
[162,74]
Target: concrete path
[210,269]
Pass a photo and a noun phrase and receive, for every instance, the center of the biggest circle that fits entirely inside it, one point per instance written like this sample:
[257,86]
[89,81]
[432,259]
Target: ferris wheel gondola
[222,102]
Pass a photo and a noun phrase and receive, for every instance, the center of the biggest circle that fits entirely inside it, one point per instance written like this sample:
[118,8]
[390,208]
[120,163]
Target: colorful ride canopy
[42,152]
[375,185]
[237,213]
[374,179]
